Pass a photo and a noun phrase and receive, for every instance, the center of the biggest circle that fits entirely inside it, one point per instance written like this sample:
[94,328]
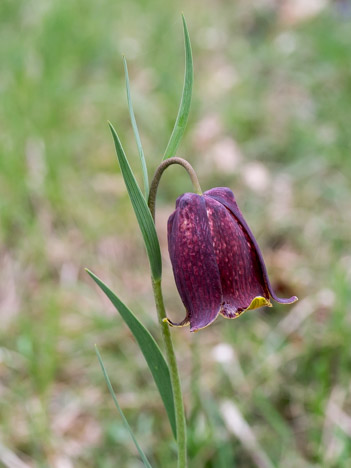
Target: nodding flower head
[217,264]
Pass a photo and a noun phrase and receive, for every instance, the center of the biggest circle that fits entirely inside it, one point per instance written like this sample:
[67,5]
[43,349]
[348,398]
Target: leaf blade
[148,346]
[136,132]
[184,106]
[142,212]
[124,419]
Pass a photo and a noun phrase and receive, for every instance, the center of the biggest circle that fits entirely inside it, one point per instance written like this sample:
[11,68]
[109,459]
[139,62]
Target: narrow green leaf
[148,346]
[126,424]
[141,209]
[136,132]
[184,107]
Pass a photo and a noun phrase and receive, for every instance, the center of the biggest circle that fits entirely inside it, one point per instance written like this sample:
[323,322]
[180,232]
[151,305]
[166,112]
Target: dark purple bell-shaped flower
[217,264]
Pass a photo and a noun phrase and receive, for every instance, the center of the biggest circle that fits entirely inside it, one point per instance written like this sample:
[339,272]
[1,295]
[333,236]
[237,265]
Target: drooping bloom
[217,264]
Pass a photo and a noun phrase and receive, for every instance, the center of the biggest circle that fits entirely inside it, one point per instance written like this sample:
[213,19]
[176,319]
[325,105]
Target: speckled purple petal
[194,263]
[239,268]
[226,197]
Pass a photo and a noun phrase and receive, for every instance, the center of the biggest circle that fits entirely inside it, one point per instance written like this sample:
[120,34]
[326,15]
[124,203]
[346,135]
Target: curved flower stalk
[217,264]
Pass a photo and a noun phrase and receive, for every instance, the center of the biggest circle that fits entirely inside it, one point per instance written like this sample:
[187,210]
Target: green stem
[161,312]
[159,171]
[175,380]
[195,375]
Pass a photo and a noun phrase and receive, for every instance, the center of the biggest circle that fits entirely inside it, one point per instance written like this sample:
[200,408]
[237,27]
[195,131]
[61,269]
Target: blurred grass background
[271,120]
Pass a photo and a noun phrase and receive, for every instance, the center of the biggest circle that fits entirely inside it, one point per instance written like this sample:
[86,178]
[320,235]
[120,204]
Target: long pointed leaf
[125,422]
[148,346]
[141,209]
[184,107]
[136,132]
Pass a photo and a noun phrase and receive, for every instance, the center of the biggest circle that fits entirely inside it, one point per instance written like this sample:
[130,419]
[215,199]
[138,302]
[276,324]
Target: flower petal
[256,303]
[194,262]
[226,197]
[239,268]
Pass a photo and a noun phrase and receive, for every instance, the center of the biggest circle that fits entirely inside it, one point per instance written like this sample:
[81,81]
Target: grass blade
[184,107]
[141,210]
[126,424]
[148,346]
[136,132]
